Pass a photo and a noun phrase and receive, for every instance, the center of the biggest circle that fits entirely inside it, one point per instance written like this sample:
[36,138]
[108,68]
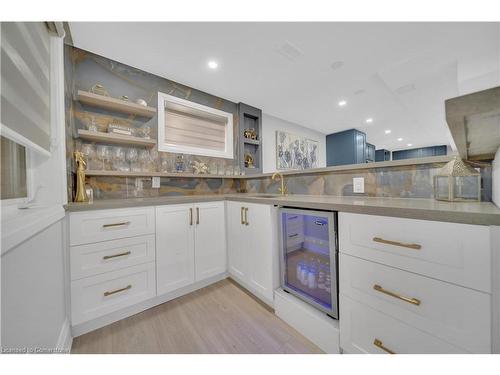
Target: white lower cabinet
[413,286]
[366,330]
[95,296]
[190,244]
[252,248]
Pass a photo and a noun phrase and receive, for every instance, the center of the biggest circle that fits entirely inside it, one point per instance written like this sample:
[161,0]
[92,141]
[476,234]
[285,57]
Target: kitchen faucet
[283,190]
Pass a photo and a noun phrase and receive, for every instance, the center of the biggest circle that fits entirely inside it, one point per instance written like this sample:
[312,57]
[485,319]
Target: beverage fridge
[309,256]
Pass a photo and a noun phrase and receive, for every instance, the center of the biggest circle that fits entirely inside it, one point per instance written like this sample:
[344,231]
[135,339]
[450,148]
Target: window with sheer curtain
[191,128]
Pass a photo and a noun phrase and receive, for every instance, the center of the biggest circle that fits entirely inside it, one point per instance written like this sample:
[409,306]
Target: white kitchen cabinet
[174,247]
[252,248]
[209,240]
[190,244]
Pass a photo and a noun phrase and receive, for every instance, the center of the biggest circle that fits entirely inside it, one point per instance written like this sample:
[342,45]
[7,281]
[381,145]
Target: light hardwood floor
[221,318]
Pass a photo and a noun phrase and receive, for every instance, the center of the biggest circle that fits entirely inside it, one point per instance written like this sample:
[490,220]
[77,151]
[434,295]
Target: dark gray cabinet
[346,147]
[250,138]
[422,152]
[370,153]
[382,155]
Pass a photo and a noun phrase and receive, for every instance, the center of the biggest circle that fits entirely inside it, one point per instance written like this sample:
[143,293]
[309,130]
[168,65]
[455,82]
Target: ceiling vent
[289,51]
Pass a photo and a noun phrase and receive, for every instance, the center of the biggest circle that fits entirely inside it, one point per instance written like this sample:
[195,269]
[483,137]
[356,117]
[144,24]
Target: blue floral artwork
[295,152]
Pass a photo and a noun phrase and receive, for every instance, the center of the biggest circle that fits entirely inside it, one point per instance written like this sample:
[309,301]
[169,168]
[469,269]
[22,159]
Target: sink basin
[265,195]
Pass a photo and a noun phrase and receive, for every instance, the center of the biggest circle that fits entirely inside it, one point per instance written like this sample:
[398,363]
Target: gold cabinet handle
[117,290]
[396,243]
[116,255]
[246,216]
[241,215]
[413,301]
[197,215]
[116,224]
[380,344]
[190,216]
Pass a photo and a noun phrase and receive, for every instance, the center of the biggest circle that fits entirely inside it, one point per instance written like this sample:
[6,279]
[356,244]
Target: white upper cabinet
[174,247]
[210,240]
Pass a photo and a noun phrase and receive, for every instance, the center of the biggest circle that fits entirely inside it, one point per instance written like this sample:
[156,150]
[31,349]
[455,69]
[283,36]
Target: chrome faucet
[283,190]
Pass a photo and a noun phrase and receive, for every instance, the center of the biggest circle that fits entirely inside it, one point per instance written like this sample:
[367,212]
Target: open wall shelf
[113,104]
[155,174]
[115,138]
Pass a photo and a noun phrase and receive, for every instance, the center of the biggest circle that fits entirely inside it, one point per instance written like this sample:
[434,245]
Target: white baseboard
[322,330]
[105,320]
[65,339]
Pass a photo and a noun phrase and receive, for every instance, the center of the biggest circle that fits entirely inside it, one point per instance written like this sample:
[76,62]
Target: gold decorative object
[249,161]
[457,182]
[199,167]
[125,98]
[81,194]
[250,134]
[99,90]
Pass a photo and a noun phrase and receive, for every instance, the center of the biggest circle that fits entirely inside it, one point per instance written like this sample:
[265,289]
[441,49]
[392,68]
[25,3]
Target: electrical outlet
[358,184]
[155,182]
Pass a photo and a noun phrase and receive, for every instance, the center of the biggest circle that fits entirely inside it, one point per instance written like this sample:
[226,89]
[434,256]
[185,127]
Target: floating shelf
[115,138]
[156,174]
[113,104]
[251,141]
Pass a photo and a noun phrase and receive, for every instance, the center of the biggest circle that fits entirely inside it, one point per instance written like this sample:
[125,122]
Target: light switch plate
[358,184]
[155,182]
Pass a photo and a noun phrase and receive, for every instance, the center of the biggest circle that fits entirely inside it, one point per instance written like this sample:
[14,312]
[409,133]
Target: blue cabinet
[382,155]
[370,153]
[346,147]
[419,152]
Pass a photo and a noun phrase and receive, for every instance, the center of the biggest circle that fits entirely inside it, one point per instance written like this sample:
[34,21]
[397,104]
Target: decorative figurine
[249,161]
[250,134]
[199,167]
[99,90]
[81,194]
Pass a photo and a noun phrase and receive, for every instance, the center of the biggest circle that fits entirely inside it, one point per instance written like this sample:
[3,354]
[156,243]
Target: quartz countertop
[481,213]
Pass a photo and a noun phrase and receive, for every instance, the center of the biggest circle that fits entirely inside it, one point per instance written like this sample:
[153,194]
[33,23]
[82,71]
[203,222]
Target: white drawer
[93,259]
[459,315]
[99,295]
[360,326]
[458,253]
[104,225]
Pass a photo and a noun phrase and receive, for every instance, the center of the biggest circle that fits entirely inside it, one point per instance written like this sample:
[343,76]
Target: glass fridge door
[308,266]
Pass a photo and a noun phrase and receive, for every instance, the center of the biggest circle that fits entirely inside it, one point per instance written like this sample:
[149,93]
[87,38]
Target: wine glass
[102,152]
[145,160]
[132,156]
[88,150]
[118,156]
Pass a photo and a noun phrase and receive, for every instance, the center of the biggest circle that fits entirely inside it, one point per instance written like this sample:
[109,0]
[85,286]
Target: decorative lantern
[457,182]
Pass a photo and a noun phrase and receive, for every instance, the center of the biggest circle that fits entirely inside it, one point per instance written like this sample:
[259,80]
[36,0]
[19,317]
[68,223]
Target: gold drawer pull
[116,224]
[117,290]
[197,215]
[246,216]
[116,255]
[380,344]
[190,216]
[396,243]
[413,301]
[241,215]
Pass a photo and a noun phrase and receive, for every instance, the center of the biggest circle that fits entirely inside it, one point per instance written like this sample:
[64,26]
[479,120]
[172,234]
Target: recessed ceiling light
[410,144]
[369,120]
[400,139]
[388,131]
[342,103]
[213,64]
[337,65]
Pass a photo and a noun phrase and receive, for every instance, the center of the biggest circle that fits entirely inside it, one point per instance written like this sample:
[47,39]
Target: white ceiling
[397,73]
